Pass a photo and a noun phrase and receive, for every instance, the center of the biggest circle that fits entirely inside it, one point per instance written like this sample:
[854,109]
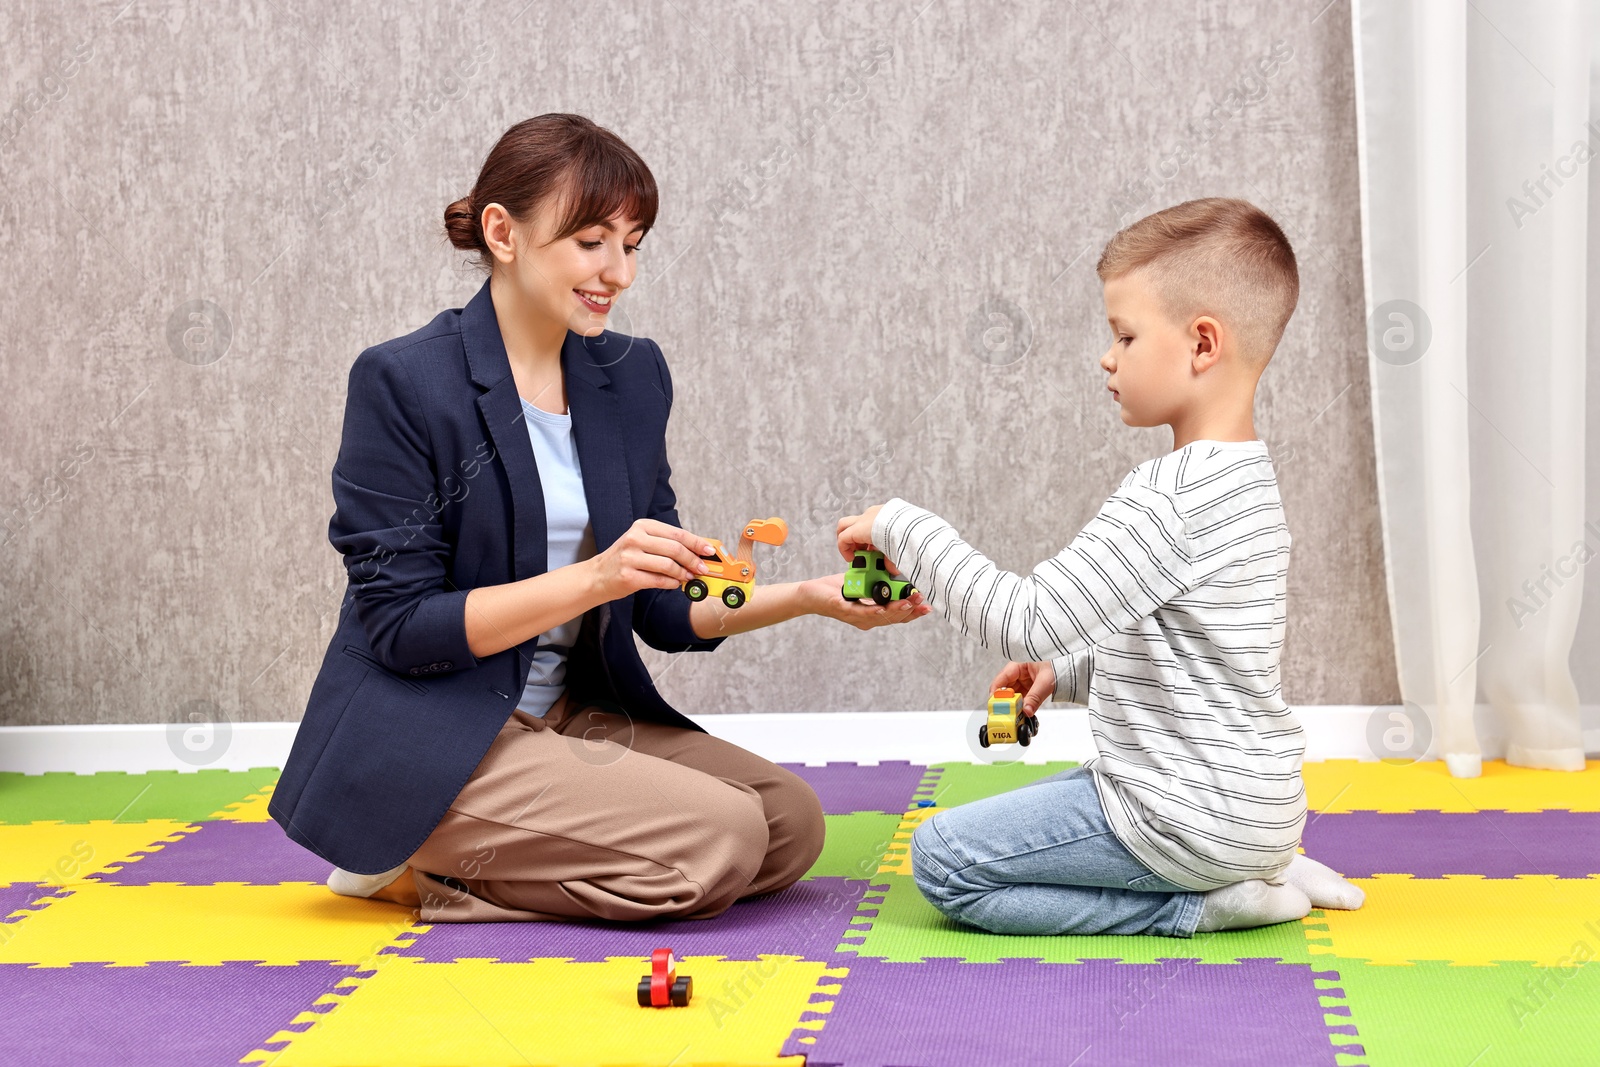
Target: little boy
[1165,616]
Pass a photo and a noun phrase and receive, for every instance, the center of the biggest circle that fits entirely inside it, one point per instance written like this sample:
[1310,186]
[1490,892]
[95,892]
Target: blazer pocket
[355,653]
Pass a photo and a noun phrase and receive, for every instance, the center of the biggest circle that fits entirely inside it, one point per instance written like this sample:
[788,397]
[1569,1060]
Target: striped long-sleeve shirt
[1166,617]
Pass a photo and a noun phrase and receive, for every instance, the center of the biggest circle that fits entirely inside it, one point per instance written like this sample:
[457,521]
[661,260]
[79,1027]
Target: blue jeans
[1042,860]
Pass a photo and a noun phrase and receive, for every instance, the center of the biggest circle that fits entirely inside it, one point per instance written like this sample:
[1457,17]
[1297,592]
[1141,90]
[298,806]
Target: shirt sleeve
[1072,677]
[1131,558]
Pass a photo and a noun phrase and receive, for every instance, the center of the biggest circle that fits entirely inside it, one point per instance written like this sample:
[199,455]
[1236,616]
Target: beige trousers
[587,813]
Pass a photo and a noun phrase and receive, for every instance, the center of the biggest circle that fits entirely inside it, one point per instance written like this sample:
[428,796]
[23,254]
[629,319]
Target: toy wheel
[733,596]
[680,991]
[909,590]
[696,589]
[644,992]
[1024,735]
[983,735]
[882,594]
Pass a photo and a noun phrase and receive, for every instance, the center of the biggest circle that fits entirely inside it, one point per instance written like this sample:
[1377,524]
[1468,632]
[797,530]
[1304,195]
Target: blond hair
[1217,256]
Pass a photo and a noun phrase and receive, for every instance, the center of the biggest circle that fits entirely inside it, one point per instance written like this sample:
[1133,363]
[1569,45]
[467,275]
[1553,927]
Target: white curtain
[1478,141]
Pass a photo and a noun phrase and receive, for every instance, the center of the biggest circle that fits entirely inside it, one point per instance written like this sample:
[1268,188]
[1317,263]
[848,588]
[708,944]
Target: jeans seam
[1029,852]
[944,882]
[1190,909]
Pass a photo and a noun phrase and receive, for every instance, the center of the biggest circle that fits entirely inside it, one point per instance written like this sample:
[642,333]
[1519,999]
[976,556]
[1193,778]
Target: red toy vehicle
[662,986]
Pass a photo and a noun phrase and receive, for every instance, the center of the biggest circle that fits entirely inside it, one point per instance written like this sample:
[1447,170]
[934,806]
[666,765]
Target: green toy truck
[867,577]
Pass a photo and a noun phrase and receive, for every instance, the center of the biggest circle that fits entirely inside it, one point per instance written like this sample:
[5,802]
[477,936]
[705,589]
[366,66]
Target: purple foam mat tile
[20,895]
[1431,844]
[161,1014]
[1098,1012]
[844,788]
[806,919]
[257,853]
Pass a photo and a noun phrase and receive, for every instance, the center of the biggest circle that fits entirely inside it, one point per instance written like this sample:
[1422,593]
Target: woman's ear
[1205,341]
[499,233]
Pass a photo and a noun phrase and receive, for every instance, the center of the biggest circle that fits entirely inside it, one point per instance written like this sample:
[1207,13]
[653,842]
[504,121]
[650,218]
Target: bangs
[606,179]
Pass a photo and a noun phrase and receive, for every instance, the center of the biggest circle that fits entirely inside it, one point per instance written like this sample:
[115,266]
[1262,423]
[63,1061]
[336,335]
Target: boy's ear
[1205,335]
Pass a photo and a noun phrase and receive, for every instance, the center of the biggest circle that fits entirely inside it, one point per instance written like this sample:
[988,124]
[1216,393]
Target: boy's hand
[1035,681]
[825,596]
[855,531]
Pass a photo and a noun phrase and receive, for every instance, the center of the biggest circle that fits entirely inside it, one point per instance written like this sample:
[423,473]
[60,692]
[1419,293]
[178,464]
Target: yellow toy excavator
[733,578]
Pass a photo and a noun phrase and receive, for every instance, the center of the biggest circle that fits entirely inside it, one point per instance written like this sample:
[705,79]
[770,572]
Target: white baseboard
[1332,732]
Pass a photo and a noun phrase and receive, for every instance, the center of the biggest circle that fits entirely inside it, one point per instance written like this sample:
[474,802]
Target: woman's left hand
[824,596]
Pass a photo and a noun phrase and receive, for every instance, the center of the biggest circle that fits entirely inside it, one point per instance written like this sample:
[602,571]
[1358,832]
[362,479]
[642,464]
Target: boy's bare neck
[1212,430]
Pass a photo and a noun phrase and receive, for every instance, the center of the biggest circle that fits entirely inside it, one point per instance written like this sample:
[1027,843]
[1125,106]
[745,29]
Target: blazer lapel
[508,427]
[598,430]
[596,427]
[501,407]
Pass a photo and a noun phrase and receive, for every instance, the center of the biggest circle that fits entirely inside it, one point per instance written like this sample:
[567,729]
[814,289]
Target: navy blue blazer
[436,492]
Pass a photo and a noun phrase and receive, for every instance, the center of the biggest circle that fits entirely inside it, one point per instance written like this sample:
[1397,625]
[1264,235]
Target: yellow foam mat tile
[480,1012]
[58,852]
[129,925]
[1466,920]
[897,857]
[1375,785]
[252,808]
[818,1009]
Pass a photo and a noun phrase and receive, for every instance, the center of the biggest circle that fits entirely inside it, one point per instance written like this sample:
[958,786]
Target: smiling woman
[570,178]
[507,519]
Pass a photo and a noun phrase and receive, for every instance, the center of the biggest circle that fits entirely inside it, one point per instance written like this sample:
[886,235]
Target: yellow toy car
[733,578]
[1008,724]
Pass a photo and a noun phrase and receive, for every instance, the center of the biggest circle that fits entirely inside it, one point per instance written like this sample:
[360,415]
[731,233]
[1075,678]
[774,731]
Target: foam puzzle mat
[164,918]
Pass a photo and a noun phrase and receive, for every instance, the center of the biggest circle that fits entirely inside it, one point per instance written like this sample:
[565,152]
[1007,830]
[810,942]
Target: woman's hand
[1035,681]
[649,555]
[824,596]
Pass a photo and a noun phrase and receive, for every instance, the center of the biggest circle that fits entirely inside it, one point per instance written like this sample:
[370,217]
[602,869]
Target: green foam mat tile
[1435,1014]
[950,784]
[854,845]
[907,929]
[188,796]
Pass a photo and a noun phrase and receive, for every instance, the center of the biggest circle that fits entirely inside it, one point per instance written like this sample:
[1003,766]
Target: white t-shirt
[570,538]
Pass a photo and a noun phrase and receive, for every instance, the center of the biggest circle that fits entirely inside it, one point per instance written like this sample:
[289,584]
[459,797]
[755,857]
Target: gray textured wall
[844,186]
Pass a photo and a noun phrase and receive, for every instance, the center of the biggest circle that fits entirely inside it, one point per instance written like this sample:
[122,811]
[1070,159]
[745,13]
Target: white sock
[1251,903]
[1322,884]
[347,884]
